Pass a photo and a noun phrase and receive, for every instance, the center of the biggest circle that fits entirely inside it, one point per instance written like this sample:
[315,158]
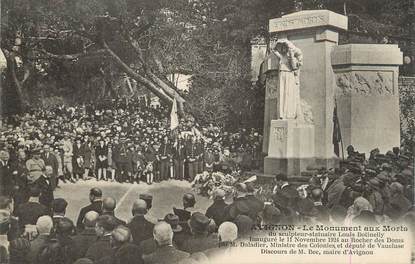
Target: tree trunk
[18,84]
[154,84]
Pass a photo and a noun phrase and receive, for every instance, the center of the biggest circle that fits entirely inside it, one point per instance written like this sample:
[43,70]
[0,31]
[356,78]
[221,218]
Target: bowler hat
[199,222]
[173,221]
[148,198]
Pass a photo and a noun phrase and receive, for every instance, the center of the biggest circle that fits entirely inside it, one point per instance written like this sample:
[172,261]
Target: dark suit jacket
[99,249]
[239,206]
[29,212]
[199,242]
[52,161]
[94,206]
[83,241]
[6,182]
[217,211]
[166,255]
[119,221]
[141,229]
[126,254]
[35,246]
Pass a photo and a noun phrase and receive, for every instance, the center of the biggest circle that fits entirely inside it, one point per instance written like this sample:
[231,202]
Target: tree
[140,38]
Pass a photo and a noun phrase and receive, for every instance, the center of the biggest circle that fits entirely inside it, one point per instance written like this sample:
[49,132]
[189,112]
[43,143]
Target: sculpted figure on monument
[289,79]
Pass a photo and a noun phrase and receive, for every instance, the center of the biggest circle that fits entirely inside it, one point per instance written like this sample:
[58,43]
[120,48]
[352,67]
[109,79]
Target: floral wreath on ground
[205,183]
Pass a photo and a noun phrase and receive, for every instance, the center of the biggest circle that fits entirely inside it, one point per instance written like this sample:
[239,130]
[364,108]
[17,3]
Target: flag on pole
[174,118]
[337,136]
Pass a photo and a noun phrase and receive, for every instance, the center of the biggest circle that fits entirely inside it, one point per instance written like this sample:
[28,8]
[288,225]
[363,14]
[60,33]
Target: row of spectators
[119,141]
[376,191]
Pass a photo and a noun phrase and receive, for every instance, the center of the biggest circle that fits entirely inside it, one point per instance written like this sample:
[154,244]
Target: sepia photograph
[207,131]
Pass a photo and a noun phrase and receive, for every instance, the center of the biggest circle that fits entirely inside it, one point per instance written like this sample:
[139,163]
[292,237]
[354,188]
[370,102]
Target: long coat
[141,229]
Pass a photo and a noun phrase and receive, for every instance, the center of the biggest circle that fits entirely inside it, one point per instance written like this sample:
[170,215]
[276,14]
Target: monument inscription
[305,21]
[280,133]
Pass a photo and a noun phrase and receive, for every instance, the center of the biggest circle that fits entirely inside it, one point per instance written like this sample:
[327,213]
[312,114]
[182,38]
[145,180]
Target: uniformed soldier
[165,158]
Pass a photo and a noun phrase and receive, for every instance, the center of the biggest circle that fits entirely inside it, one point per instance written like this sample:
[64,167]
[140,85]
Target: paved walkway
[165,195]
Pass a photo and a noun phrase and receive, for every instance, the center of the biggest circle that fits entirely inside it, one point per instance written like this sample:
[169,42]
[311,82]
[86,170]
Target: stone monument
[361,78]
[366,91]
[291,139]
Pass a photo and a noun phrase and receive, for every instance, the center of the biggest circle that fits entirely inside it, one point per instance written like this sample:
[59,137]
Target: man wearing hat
[200,239]
[165,157]
[51,160]
[35,166]
[148,198]
[217,210]
[67,147]
[240,204]
[38,176]
[78,158]
[179,156]
[5,174]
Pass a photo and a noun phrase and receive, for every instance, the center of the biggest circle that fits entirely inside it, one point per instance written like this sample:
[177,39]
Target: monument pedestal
[291,147]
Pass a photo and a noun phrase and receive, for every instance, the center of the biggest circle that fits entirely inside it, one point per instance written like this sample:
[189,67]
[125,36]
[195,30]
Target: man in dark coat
[59,210]
[165,252]
[29,212]
[165,157]
[239,206]
[141,228]
[124,252]
[102,247]
[85,238]
[95,197]
[51,160]
[217,210]
[108,207]
[6,182]
[200,238]
[44,227]
[179,156]
[78,158]
[254,203]
[398,204]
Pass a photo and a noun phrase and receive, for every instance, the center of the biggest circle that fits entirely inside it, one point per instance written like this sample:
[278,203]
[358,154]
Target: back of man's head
[228,232]
[139,207]
[107,222]
[317,194]
[64,227]
[44,224]
[281,177]
[189,200]
[34,191]
[163,234]
[121,235]
[90,219]
[59,206]
[109,204]
[95,193]
[5,202]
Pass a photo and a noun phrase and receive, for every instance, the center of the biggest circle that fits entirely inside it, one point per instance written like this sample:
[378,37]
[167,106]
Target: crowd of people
[124,141]
[372,191]
[134,143]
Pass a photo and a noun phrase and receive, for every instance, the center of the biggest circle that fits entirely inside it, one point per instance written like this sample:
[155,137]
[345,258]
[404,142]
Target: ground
[165,195]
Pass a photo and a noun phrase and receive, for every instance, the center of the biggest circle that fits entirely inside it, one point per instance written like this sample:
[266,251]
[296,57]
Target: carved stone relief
[365,83]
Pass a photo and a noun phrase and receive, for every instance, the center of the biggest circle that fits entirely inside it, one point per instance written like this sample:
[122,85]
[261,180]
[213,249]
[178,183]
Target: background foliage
[208,39]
